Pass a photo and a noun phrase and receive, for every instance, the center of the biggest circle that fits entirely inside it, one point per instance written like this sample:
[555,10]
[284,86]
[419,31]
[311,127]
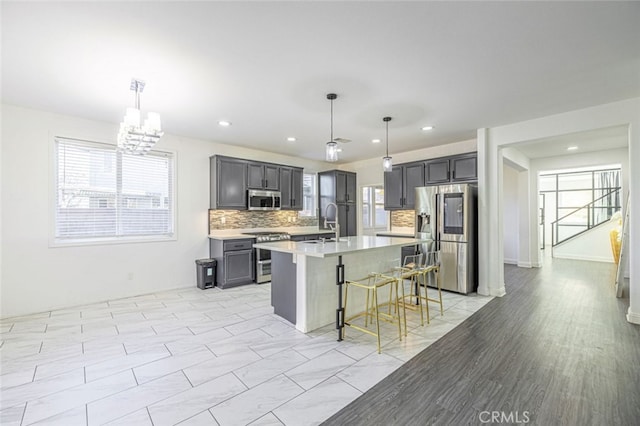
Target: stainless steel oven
[263,257]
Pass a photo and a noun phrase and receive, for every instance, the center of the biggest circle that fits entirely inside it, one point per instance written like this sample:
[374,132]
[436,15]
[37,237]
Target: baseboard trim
[524,265]
[511,261]
[497,292]
[589,258]
[633,317]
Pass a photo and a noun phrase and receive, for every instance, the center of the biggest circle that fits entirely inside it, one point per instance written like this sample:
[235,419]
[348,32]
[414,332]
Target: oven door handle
[264,262]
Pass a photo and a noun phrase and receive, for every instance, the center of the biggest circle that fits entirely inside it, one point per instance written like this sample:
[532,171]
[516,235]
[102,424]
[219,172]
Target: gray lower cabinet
[235,260]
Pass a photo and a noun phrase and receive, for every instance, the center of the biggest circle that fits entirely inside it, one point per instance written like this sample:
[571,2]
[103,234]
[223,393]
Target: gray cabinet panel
[238,267]
[297,183]
[263,176]
[339,187]
[283,286]
[291,182]
[413,177]
[228,185]
[437,171]
[400,184]
[235,261]
[393,189]
[464,168]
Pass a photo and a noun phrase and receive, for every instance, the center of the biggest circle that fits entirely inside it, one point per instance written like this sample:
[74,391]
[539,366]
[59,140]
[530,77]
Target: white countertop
[235,234]
[346,245]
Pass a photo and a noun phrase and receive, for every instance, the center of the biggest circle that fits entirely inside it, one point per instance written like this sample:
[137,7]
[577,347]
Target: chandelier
[134,138]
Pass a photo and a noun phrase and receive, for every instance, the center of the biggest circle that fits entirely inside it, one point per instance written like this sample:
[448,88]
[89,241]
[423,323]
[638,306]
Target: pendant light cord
[331,140]
[387,138]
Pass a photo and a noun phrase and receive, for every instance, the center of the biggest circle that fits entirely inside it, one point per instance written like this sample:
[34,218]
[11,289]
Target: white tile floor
[193,357]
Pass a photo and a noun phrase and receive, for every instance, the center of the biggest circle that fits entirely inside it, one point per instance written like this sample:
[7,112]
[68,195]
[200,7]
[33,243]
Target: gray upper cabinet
[263,176]
[400,184]
[464,168]
[437,171]
[291,182]
[228,183]
[393,191]
[346,190]
[459,168]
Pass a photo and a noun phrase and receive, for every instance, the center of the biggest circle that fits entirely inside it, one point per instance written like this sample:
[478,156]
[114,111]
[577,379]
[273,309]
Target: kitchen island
[307,276]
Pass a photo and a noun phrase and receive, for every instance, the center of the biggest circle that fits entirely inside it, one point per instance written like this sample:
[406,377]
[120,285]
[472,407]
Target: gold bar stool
[411,269]
[371,283]
[431,266]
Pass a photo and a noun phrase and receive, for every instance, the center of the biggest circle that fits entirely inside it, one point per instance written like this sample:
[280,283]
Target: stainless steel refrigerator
[447,215]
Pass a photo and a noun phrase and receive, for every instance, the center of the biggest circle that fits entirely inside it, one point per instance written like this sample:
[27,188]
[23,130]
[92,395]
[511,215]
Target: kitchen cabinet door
[238,268]
[413,177]
[464,168]
[263,176]
[228,183]
[291,182]
[297,183]
[347,217]
[341,187]
[393,189]
[286,192]
[437,171]
[351,188]
[271,177]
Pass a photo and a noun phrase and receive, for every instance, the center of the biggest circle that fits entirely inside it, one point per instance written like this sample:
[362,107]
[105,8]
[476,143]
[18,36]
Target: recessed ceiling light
[427,128]
[572,148]
[291,139]
[375,140]
[224,123]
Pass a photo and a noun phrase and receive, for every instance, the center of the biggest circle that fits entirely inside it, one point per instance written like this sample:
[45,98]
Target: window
[373,212]
[309,191]
[103,194]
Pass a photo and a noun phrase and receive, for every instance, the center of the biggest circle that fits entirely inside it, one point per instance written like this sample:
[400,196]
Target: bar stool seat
[371,284]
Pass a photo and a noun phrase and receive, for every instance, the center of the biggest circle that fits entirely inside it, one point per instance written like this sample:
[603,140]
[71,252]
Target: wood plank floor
[557,347]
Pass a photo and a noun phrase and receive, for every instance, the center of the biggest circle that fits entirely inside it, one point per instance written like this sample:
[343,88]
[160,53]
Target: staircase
[585,218]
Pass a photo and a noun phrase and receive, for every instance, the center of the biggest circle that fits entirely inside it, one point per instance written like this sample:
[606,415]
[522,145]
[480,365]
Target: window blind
[103,193]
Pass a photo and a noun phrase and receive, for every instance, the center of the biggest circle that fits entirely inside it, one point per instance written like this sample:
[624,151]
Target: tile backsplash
[238,219]
[403,219]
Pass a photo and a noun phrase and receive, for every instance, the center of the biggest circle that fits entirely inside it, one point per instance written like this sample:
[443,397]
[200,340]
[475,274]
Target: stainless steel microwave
[263,200]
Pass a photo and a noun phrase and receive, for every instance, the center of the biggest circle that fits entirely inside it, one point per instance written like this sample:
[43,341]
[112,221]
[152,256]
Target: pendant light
[332,146]
[387,163]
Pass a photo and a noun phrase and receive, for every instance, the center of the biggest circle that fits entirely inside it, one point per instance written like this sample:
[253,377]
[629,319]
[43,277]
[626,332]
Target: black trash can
[206,270]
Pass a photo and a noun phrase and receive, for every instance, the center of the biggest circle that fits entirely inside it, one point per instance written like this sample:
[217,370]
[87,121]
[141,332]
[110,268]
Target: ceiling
[267,66]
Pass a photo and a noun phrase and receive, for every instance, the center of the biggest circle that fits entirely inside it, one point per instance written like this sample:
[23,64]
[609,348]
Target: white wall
[511,213]
[593,245]
[491,142]
[36,278]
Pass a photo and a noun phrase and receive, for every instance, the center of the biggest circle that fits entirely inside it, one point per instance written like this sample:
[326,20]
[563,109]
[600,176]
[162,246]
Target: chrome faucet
[328,223]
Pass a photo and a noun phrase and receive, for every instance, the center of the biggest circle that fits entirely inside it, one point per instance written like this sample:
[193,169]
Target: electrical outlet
[223,220]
